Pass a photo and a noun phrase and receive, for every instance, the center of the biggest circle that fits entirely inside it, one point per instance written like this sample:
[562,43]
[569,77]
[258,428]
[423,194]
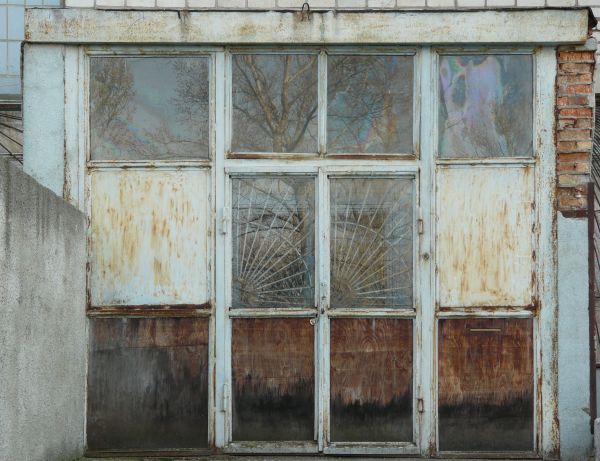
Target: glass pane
[486,106]
[148,384]
[370,104]
[371,380]
[274,103]
[149,108]
[486,385]
[273,379]
[371,242]
[273,241]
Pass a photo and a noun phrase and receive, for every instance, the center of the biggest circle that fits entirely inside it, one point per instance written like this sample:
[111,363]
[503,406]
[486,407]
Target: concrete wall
[573,340]
[43,326]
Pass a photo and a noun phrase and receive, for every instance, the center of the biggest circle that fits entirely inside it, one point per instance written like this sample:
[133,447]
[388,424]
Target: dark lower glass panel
[371,380]
[273,379]
[486,385]
[148,384]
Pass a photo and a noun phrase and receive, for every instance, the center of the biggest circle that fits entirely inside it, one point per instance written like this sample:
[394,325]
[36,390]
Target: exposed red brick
[575,68]
[574,135]
[575,112]
[584,123]
[578,89]
[572,100]
[569,180]
[573,167]
[577,78]
[574,157]
[576,56]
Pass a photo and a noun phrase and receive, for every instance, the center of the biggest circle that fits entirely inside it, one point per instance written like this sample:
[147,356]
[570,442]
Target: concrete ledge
[83,25]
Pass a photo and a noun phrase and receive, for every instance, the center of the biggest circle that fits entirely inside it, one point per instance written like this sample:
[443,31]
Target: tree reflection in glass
[150,108]
[370,104]
[274,103]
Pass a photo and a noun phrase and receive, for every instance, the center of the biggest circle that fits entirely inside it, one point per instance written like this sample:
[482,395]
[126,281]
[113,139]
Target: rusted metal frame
[591,302]
[249,313]
[375,51]
[512,312]
[221,403]
[230,446]
[490,455]
[86,168]
[371,448]
[201,310]
[272,448]
[322,101]
[487,311]
[323,309]
[149,164]
[546,261]
[264,50]
[354,171]
[425,328]
[366,167]
[72,114]
[372,313]
[150,453]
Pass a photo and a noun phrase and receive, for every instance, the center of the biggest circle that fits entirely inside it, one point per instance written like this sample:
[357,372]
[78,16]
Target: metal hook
[305,12]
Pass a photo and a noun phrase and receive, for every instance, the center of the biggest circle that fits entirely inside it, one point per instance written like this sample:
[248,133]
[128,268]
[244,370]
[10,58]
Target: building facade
[323,230]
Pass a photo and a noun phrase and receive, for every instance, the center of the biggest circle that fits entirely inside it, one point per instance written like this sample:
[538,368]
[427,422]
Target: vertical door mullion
[425,344]
[222,411]
[322,308]
[322,102]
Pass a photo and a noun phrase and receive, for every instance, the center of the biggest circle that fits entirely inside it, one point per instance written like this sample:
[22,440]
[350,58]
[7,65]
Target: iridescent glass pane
[486,106]
[370,104]
[371,242]
[273,241]
[150,108]
[274,103]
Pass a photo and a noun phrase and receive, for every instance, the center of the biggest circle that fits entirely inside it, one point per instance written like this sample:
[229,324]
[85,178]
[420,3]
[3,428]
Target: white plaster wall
[573,340]
[44,115]
[43,338]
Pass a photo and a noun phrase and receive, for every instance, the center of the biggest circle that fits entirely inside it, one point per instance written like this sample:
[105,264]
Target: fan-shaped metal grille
[371,243]
[273,241]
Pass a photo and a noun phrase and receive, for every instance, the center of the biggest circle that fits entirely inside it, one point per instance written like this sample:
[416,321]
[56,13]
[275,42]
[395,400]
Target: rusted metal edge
[81,25]
[177,310]
[185,452]
[489,455]
[591,302]
[574,213]
[533,308]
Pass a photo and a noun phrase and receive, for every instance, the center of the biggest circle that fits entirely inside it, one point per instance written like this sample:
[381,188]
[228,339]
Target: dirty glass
[150,108]
[147,384]
[371,242]
[485,106]
[274,103]
[486,385]
[369,104]
[371,380]
[273,379]
[273,241]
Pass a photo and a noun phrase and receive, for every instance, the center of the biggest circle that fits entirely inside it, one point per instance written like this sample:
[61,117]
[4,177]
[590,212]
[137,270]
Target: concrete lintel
[86,26]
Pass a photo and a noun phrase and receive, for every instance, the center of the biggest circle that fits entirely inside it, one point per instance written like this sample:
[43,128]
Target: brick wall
[574,128]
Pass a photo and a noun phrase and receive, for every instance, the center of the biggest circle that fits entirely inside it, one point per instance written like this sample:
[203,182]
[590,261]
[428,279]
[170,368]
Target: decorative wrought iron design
[371,243]
[11,130]
[273,241]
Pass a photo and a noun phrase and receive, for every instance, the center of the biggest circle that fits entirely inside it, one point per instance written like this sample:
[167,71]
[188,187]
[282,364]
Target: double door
[322,309]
